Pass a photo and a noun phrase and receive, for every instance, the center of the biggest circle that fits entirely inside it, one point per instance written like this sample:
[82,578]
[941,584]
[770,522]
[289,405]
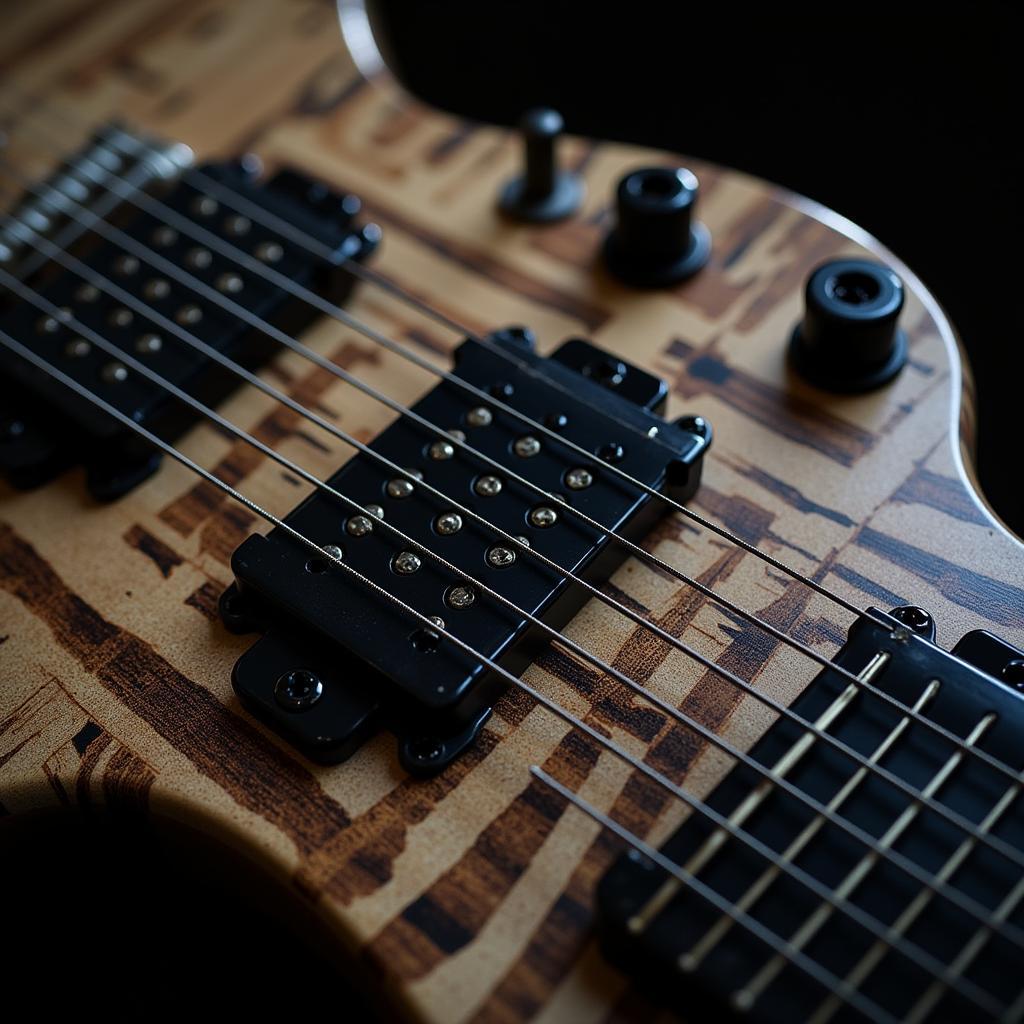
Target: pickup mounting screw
[164,236]
[237,225]
[405,563]
[125,265]
[481,416]
[198,258]
[578,479]
[441,450]
[87,293]
[460,597]
[458,435]
[916,619]
[190,314]
[205,206]
[120,317]
[47,325]
[437,621]
[230,284]
[448,523]
[375,510]
[298,689]
[543,517]
[359,526]
[399,488]
[526,447]
[487,486]
[500,557]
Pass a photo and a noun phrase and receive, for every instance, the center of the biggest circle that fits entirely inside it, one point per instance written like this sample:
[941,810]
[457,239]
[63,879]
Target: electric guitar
[557,562]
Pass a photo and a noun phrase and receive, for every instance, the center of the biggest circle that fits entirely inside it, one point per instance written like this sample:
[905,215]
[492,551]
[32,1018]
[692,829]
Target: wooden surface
[467,896]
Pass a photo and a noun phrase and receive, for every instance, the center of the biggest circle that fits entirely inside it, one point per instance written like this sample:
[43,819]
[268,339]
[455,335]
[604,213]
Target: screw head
[120,317]
[399,488]
[441,450]
[525,541]
[87,293]
[237,224]
[500,557]
[190,314]
[487,486]
[1013,673]
[358,526]
[459,435]
[269,252]
[437,621]
[230,284]
[147,344]
[298,689]
[377,511]
[916,618]
[198,258]
[543,517]
[460,597]
[481,416]
[164,236]
[334,551]
[611,452]
[77,348]
[125,265]
[205,206]
[526,447]
[157,288]
[578,479]
[448,523]
[47,325]
[114,373]
[405,563]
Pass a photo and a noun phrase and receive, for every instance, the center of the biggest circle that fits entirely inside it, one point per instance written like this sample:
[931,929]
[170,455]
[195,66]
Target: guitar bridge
[337,662]
[44,429]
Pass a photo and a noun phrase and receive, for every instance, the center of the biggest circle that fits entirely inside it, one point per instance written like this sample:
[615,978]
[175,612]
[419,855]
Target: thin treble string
[860,835]
[830,982]
[76,266]
[100,226]
[920,957]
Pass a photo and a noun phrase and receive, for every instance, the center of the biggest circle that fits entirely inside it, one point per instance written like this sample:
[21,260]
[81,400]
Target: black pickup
[44,429]
[336,662]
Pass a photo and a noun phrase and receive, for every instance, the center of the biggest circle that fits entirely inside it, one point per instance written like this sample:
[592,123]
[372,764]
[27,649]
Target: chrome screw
[479,417]
[114,373]
[147,344]
[359,526]
[405,563]
[578,479]
[441,450]
[543,517]
[448,523]
[526,447]
[399,488]
[499,557]
[460,597]
[487,486]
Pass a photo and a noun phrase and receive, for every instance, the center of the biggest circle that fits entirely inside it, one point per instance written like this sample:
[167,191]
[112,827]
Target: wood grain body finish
[467,896]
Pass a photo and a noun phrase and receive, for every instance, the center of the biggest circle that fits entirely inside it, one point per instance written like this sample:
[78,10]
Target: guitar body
[465,896]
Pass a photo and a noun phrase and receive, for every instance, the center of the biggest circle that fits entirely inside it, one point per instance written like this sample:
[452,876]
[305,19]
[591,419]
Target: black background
[904,120]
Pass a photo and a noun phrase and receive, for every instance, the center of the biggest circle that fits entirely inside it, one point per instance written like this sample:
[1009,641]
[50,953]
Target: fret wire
[756,986]
[76,266]
[860,835]
[318,302]
[909,950]
[691,960]
[974,945]
[100,226]
[643,917]
[773,940]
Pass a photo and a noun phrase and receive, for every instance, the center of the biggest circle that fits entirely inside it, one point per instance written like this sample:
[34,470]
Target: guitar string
[314,246]
[171,217]
[99,225]
[915,954]
[828,980]
[76,266]
[866,839]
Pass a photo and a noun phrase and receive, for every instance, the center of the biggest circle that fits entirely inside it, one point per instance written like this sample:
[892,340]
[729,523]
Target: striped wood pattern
[467,896]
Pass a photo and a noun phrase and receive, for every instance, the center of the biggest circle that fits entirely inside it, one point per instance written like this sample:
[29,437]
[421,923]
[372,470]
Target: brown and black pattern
[469,896]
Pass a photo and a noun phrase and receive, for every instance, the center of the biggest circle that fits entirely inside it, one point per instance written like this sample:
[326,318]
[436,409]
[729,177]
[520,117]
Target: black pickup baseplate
[368,663]
[44,428]
[655,928]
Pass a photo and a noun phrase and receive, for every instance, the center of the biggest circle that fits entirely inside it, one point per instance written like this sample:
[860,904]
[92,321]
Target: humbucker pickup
[336,662]
[45,430]
[699,960]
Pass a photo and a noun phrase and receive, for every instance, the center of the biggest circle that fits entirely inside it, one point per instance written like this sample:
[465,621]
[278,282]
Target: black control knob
[655,241]
[543,192]
[848,340]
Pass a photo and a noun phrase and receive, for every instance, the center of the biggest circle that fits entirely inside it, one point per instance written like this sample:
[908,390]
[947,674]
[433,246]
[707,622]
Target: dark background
[904,121]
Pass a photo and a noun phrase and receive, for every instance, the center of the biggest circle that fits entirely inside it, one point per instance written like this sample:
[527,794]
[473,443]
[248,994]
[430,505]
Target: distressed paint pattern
[467,896]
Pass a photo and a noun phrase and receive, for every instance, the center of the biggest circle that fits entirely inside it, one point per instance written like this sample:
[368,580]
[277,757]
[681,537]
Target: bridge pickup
[44,429]
[698,961]
[363,663]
